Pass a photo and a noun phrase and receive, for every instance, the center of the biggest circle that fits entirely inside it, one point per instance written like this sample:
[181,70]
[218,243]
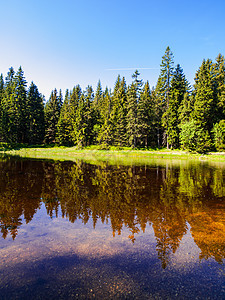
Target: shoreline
[126,156]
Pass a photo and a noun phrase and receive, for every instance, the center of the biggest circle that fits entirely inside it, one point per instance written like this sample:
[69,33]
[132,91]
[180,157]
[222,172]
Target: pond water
[72,230]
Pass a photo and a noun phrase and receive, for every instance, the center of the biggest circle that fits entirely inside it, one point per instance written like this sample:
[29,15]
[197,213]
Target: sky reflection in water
[75,230]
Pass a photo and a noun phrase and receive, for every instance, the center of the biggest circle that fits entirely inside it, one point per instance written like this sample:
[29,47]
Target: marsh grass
[114,155]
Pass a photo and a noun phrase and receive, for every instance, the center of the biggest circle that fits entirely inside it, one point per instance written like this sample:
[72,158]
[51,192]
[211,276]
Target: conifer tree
[15,108]
[204,91]
[79,134]
[52,113]
[170,119]
[21,113]
[1,106]
[196,134]
[219,77]
[186,108]
[118,115]
[105,136]
[35,108]
[162,92]
[64,125]
[132,108]
[90,115]
[145,117]
[7,102]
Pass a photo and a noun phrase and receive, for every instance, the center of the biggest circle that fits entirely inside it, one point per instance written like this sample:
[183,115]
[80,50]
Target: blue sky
[63,43]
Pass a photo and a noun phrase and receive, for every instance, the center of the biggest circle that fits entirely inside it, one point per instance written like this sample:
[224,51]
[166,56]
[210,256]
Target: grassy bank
[113,155]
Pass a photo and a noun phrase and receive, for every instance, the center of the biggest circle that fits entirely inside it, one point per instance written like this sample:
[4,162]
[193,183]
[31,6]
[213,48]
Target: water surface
[72,230]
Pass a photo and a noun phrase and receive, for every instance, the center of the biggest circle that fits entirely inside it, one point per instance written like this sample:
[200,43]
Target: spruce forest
[173,114]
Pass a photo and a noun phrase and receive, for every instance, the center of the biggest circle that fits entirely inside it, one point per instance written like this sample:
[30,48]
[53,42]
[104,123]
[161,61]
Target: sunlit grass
[113,155]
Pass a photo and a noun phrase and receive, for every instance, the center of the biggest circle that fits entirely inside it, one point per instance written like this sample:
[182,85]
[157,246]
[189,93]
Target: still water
[72,230]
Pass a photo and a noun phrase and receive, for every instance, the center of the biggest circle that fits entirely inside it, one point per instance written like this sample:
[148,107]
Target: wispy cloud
[128,69]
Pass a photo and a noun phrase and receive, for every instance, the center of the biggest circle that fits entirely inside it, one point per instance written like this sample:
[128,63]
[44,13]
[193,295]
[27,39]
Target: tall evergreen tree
[163,91]
[118,115]
[132,109]
[52,113]
[64,126]
[204,91]
[105,136]
[219,77]
[15,108]
[145,116]
[1,106]
[35,108]
[170,119]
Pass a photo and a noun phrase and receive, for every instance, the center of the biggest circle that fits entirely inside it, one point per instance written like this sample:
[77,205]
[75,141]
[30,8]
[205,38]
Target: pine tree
[162,92]
[105,136]
[204,91]
[1,106]
[21,114]
[118,114]
[196,134]
[35,108]
[186,108]
[52,113]
[132,108]
[90,115]
[170,119]
[219,77]
[7,101]
[145,116]
[15,108]
[64,125]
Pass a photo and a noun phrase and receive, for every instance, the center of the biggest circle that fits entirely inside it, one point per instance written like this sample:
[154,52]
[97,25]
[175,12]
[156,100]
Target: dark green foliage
[52,113]
[186,108]
[219,78]
[162,94]
[219,135]
[194,138]
[118,114]
[1,106]
[15,122]
[145,117]
[170,119]
[64,126]
[135,116]
[205,105]
[133,98]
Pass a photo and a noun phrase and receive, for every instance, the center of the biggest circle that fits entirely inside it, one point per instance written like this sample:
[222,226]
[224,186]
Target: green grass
[125,155]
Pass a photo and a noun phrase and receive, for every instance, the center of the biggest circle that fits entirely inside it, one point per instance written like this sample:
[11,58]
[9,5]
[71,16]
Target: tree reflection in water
[166,197]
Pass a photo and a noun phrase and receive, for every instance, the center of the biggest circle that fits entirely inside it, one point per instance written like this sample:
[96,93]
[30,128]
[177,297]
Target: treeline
[172,115]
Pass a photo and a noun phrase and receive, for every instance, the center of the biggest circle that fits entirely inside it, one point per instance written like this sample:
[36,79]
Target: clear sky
[61,43]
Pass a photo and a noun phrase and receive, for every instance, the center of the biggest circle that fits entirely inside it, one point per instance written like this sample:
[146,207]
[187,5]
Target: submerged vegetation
[172,115]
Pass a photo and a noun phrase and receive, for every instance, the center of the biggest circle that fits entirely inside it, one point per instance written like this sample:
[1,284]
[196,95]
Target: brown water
[82,231]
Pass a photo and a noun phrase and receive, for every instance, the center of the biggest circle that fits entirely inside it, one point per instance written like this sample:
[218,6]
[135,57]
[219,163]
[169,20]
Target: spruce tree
[52,113]
[145,117]
[219,77]
[204,91]
[132,109]
[162,92]
[64,125]
[15,107]
[1,106]
[170,119]
[35,108]
[105,136]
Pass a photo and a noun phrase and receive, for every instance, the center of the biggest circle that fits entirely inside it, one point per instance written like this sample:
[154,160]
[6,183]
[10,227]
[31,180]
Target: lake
[75,230]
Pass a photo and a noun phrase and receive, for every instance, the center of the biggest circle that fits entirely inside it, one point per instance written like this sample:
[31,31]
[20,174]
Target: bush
[195,138]
[219,135]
